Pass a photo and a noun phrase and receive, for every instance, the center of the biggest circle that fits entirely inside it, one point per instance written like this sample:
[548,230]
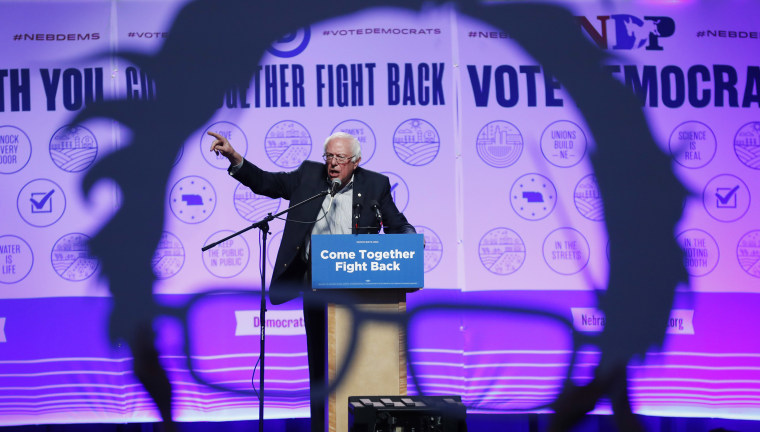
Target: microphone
[357,212]
[334,186]
[379,215]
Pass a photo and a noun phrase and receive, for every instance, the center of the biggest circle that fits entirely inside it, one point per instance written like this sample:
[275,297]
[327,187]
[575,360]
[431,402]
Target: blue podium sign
[367,261]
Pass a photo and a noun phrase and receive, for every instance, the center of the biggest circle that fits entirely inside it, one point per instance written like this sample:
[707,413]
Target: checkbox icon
[42,202]
[726,197]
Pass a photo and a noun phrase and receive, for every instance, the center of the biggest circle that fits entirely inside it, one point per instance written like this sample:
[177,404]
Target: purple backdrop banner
[488,157]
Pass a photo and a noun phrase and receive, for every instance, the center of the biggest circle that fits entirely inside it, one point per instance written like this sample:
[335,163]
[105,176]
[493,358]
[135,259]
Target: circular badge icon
[563,143]
[192,199]
[566,251]
[399,191]
[416,142]
[16,259]
[287,144]
[433,247]
[588,199]
[15,149]
[501,251]
[73,148]
[71,258]
[291,44]
[726,198]
[363,133]
[533,196]
[169,256]
[700,251]
[227,259]
[692,144]
[747,144]
[253,207]
[499,144]
[234,135]
[748,253]
[41,202]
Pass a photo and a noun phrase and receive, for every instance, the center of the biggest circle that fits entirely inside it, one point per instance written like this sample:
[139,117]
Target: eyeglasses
[523,368]
[340,159]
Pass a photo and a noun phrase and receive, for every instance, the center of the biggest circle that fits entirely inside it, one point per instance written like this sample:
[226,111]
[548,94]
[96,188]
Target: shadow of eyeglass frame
[360,317]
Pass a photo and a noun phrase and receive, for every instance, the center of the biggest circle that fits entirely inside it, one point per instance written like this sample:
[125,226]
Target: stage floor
[475,423]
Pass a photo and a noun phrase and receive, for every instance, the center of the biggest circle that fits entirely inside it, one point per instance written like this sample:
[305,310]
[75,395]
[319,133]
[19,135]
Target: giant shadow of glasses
[519,360]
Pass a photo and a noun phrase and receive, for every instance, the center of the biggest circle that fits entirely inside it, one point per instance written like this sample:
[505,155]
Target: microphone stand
[263,225]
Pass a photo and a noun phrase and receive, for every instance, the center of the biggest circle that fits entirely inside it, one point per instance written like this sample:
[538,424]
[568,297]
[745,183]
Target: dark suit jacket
[308,180]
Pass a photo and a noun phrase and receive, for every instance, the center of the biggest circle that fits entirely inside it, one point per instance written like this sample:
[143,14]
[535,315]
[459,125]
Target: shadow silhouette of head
[214,46]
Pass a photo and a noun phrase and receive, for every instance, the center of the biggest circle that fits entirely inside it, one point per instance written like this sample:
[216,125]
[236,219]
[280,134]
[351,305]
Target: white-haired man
[352,211]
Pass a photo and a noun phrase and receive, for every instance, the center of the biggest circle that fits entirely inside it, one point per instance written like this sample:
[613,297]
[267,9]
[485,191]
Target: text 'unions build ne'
[349,261]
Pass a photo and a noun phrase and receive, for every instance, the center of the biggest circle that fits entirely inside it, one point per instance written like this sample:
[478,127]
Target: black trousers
[315,319]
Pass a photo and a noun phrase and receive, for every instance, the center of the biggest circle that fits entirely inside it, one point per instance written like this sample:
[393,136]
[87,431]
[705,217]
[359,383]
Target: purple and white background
[486,159]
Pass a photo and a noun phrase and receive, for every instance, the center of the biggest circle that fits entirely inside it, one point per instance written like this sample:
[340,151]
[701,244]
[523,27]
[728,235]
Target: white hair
[356,147]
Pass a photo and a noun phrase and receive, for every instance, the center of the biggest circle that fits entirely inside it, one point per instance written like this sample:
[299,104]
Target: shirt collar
[348,186]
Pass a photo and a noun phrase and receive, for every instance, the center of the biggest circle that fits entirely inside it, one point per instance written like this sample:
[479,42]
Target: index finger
[215,135]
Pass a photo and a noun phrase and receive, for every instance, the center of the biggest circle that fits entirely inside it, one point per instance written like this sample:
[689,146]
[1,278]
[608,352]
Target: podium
[376,271]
